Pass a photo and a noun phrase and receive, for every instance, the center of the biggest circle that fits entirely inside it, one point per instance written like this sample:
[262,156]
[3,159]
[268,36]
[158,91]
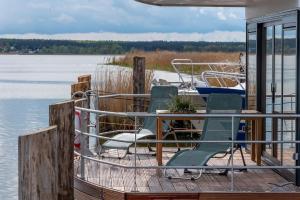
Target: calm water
[28,84]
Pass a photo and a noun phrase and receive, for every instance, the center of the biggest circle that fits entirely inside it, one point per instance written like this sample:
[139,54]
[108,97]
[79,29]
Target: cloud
[221,15]
[217,36]
[233,16]
[122,16]
[39,5]
[64,19]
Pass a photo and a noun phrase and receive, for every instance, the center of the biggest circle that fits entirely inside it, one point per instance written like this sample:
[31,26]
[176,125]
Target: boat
[198,81]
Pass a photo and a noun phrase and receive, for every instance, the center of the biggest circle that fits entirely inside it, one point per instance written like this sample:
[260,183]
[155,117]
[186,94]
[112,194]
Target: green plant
[181,104]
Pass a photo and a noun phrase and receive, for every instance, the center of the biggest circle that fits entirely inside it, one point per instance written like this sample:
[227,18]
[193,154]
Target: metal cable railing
[137,115]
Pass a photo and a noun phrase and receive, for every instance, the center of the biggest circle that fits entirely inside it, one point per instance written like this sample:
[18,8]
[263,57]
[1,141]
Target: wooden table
[256,131]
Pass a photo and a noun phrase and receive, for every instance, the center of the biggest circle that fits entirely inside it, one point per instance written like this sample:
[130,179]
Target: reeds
[117,80]
[161,60]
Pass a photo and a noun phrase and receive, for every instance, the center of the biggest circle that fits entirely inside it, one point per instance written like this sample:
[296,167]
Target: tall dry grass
[161,60]
[108,80]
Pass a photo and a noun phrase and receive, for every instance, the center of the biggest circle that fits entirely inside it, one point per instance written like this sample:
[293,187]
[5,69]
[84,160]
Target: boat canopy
[207,3]
[254,8]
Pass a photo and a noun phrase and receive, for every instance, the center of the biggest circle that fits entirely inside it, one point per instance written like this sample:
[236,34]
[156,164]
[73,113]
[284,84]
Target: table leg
[259,136]
[253,145]
[159,137]
[275,136]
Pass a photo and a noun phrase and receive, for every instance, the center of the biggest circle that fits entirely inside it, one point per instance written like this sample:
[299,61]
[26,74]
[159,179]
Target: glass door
[273,90]
[280,91]
[289,94]
[269,85]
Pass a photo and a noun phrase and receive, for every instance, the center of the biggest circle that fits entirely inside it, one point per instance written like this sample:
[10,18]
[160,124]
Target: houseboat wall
[268,7]
[273,75]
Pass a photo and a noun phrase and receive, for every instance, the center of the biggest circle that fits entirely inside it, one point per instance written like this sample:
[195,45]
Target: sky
[117,20]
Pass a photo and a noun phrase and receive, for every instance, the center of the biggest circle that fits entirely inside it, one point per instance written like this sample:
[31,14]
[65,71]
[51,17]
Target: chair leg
[150,148]
[125,154]
[192,178]
[243,158]
[231,157]
[225,172]
[102,150]
[175,138]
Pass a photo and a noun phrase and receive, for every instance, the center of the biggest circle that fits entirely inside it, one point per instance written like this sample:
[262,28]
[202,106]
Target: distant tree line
[34,46]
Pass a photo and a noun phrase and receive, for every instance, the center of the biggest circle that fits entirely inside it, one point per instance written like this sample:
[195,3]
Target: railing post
[135,159]
[232,151]
[79,90]
[82,144]
[94,119]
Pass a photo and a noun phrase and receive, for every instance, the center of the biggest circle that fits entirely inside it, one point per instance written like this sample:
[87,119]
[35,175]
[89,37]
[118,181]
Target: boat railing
[220,70]
[84,134]
[221,76]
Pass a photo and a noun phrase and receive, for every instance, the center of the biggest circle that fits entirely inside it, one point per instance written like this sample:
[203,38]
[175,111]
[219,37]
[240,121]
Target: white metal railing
[136,115]
[219,71]
[220,76]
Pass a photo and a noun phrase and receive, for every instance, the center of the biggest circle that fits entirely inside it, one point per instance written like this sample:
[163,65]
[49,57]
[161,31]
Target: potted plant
[181,104]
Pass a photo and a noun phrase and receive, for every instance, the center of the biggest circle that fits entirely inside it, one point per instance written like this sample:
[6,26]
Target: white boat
[199,83]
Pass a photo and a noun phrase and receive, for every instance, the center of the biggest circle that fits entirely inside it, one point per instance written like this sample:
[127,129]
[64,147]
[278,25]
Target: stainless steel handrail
[154,141]
[145,114]
[231,167]
[185,167]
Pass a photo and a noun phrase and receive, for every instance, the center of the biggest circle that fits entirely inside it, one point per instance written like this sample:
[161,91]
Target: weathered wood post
[38,165]
[139,69]
[62,115]
[86,78]
[80,87]
[46,157]
[84,84]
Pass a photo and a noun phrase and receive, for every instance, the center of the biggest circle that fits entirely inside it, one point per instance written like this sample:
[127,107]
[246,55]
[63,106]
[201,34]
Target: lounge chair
[160,98]
[214,129]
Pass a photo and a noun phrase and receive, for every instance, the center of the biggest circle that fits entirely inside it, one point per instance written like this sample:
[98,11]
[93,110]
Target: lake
[28,84]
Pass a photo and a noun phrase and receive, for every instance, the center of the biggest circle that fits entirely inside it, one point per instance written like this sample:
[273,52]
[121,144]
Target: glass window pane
[269,79]
[277,123]
[289,93]
[278,67]
[251,75]
[269,71]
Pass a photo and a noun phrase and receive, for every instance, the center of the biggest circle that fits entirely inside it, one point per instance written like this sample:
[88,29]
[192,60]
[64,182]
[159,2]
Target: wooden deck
[151,181]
